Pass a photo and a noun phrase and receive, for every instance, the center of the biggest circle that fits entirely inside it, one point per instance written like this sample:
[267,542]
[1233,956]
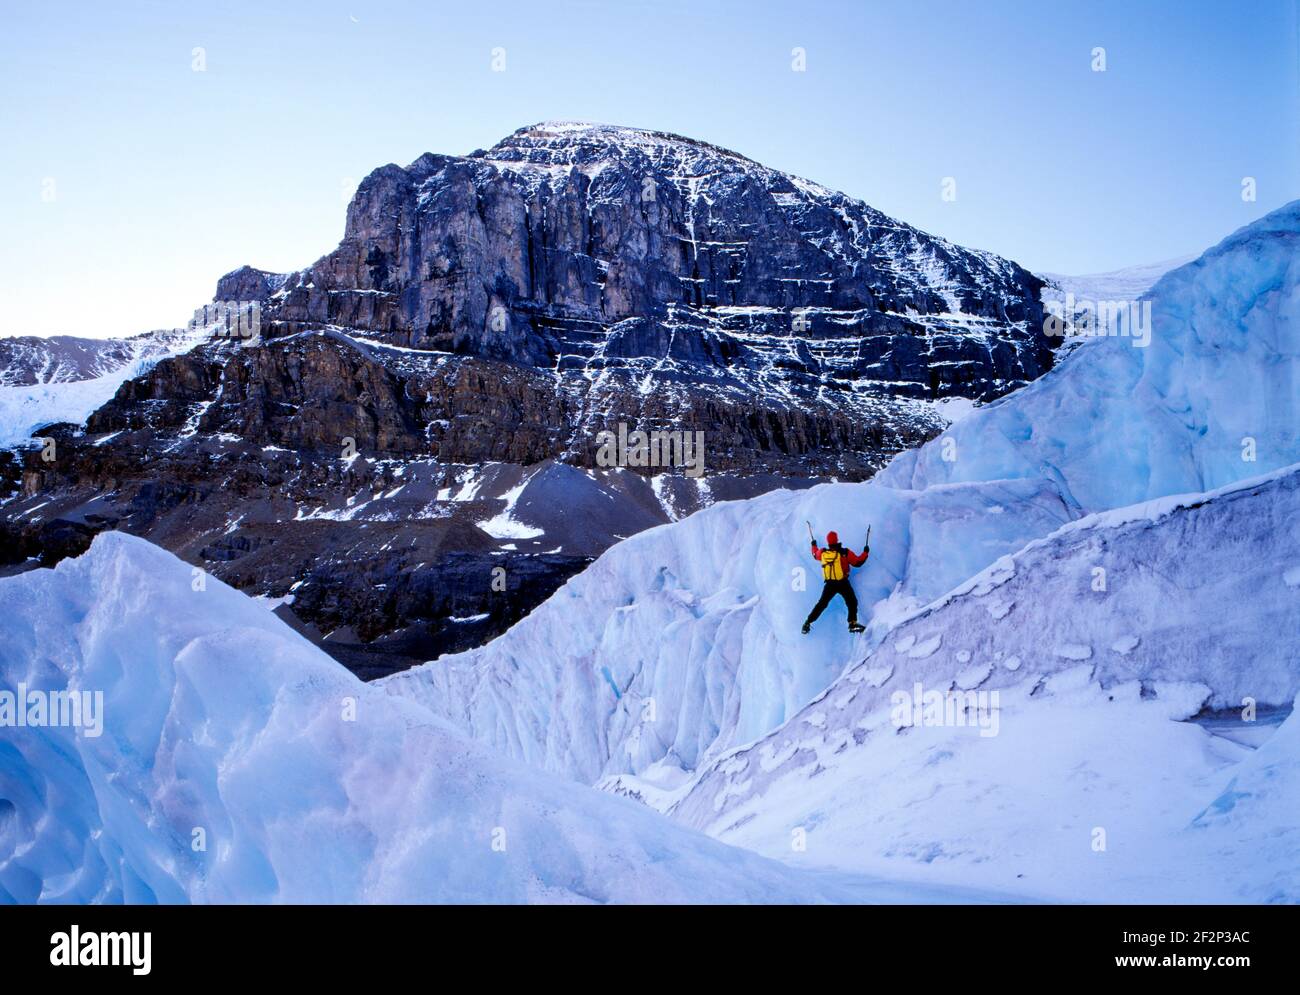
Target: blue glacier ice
[237,763]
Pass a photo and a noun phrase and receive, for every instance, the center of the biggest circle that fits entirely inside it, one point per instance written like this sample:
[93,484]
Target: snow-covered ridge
[29,360]
[697,623]
[65,379]
[560,136]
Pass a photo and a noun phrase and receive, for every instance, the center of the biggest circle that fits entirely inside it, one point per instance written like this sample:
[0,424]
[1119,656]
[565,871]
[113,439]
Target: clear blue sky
[164,177]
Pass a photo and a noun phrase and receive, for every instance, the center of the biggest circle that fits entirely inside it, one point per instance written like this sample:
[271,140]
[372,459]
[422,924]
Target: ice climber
[836,563]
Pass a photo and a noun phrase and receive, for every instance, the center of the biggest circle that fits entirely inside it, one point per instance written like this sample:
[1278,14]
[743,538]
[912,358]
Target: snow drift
[237,763]
[683,642]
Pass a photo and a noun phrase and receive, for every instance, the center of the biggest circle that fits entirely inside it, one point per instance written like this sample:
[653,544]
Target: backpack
[832,565]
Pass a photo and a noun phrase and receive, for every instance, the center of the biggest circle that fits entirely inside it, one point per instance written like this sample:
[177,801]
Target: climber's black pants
[833,587]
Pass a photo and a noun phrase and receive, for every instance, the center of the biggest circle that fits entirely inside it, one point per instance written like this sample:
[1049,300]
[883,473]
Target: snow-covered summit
[711,173]
[573,142]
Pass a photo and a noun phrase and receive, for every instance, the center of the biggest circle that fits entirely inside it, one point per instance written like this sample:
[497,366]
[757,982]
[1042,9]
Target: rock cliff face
[572,243]
[425,403]
[648,273]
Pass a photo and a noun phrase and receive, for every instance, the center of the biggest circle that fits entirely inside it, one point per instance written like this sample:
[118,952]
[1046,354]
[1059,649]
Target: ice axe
[868,544]
[811,537]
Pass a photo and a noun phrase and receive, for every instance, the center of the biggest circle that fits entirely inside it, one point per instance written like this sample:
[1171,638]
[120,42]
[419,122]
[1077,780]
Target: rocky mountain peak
[581,143]
[567,242]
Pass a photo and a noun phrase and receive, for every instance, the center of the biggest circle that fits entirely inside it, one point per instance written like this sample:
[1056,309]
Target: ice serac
[1213,397]
[237,763]
[1081,649]
[684,641]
